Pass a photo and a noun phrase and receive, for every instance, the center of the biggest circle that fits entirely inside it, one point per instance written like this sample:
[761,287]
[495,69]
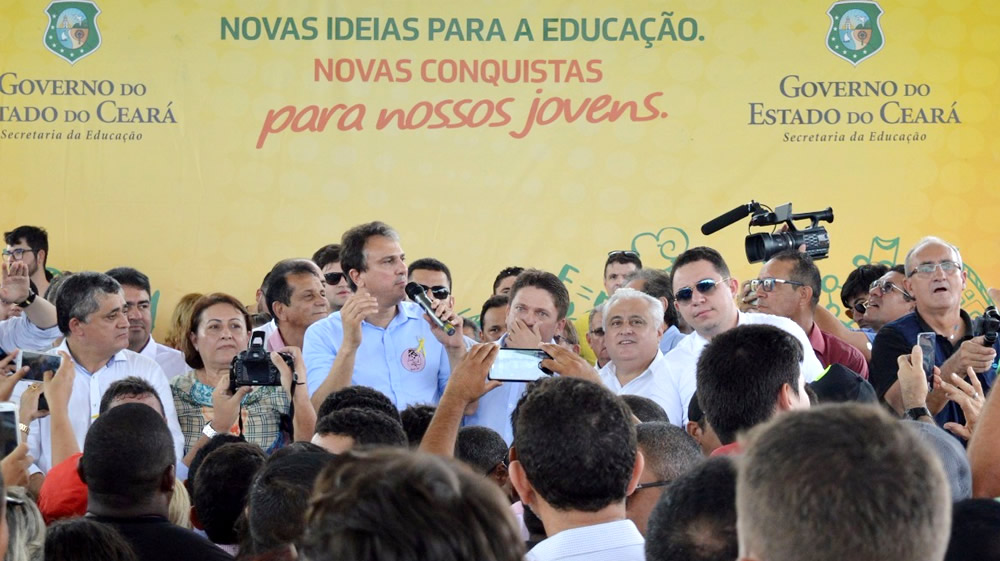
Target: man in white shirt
[633,325]
[704,294]
[574,460]
[139,310]
[91,314]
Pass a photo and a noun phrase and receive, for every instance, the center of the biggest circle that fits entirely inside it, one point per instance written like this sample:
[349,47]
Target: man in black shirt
[128,466]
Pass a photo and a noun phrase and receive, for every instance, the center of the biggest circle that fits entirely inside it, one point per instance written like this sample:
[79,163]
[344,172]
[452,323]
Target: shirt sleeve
[20,333]
[889,344]
[319,351]
[444,371]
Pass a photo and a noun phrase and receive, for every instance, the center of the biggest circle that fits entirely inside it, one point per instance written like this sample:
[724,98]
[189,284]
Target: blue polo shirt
[898,337]
[403,360]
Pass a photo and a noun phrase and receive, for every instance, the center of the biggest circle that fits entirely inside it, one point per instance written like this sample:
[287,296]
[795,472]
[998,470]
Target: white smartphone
[39,363]
[519,365]
[10,437]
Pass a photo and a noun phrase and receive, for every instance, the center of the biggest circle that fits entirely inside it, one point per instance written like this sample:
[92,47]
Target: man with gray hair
[934,277]
[633,324]
[656,283]
[91,315]
[840,482]
[595,335]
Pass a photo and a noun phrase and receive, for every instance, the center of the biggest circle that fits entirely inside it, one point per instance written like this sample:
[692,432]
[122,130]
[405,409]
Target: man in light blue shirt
[378,339]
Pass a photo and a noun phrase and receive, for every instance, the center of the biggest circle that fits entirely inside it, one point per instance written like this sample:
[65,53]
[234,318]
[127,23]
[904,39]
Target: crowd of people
[337,418]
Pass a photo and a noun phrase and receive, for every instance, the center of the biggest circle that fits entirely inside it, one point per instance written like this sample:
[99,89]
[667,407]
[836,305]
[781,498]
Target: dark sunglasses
[333,279]
[860,307]
[439,292]
[623,252]
[704,286]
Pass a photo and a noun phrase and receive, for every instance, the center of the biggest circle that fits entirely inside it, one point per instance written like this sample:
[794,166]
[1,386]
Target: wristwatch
[27,301]
[916,412]
[209,431]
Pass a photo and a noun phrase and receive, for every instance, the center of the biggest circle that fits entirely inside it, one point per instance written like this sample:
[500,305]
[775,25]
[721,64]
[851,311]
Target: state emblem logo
[855,33]
[71,32]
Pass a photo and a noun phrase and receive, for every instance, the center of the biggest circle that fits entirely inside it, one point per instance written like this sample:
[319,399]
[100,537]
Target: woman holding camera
[218,331]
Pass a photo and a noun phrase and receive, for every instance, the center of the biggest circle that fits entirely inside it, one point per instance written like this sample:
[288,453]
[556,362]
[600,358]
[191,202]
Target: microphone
[417,294]
[731,217]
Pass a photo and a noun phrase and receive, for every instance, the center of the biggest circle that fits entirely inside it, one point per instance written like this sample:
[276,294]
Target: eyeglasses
[599,332]
[769,284]
[704,286]
[333,279]
[439,292]
[887,286]
[663,483]
[17,253]
[929,268]
[623,252]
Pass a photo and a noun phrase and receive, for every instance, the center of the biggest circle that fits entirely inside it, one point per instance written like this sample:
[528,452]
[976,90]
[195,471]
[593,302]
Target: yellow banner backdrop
[203,141]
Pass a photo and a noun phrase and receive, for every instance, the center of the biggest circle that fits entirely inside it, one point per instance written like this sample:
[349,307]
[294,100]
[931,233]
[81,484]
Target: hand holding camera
[253,367]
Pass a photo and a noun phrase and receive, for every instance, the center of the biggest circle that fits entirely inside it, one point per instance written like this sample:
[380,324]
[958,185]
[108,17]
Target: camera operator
[934,277]
[219,330]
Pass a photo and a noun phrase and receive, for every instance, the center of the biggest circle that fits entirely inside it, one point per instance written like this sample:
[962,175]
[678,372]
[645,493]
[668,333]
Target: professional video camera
[987,325]
[762,246]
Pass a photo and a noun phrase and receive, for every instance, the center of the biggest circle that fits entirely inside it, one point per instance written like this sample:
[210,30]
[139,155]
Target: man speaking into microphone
[379,339]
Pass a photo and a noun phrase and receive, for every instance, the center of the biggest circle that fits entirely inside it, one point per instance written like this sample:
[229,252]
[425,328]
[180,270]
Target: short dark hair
[191,355]
[547,282]
[362,397]
[220,491]
[668,449]
[804,270]
[326,255]
[495,301]
[416,419]
[973,530]
[278,289]
[125,455]
[279,496]
[859,280]
[127,276]
[352,247]
[740,373]
[430,264]
[700,253]
[481,448]
[397,505]
[576,442]
[213,444]
[35,236]
[84,539]
[658,284]
[132,386]
[625,258]
[504,273]
[365,426]
[644,409]
[78,296]
[901,269]
[695,519]
[695,414]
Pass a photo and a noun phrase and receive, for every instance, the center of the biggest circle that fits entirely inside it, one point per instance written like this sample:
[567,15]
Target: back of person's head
[481,448]
[576,443]
[84,539]
[841,482]
[127,455]
[364,426]
[803,270]
[695,519]
[52,292]
[362,397]
[129,387]
[548,282]
[669,450]
[278,498]
[974,535]
[416,419]
[740,374]
[701,253]
[645,409]
[953,458]
[212,445]
[26,529]
[398,505]
[79,297]
[857,282]
[220,491]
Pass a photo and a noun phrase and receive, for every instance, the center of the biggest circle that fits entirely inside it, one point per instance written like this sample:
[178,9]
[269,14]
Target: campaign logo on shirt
[415,359]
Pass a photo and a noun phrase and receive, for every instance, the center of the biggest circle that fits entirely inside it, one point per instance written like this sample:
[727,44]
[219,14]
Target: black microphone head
[414,290]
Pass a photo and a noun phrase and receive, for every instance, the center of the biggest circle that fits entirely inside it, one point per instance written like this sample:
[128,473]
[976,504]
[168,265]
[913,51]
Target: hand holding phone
[519,365]
[928,345]
[10,437]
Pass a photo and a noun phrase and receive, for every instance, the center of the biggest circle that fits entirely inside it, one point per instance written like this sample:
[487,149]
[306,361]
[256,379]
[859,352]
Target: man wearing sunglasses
[434,277]
[704,295]
[789,286]
[327,258]
[887,299]
[935,278]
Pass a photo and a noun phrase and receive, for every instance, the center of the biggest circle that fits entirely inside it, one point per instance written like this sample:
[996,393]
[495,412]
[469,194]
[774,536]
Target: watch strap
[29,300]
[918,412]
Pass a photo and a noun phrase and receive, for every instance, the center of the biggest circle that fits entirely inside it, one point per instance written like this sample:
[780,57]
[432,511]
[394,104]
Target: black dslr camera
[253,367]
[987,325]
